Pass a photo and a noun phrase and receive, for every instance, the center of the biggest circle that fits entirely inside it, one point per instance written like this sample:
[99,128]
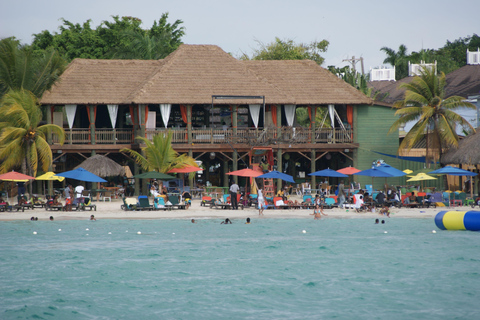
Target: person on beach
[233,195]
[92,218]
[227,221]
[261,202]
[248,221]
[385,211]
[187,197]
[317,213]
[341,194]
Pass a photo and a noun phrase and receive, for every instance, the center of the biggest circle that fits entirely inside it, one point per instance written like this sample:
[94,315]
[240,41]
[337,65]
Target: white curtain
[331,112]
[70,110]
[165,110]
[289,113]
[113,111]
[255,113]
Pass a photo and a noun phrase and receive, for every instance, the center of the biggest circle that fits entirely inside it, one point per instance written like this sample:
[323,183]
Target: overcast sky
[353,28]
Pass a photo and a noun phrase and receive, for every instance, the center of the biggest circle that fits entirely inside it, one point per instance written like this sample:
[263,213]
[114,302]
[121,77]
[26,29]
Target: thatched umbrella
[468,152]
[102,166]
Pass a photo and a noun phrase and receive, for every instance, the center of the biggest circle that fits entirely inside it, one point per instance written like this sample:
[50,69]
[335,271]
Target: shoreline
[112,210]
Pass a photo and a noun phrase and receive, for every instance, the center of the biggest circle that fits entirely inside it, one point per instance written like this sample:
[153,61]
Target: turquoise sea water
[338,269]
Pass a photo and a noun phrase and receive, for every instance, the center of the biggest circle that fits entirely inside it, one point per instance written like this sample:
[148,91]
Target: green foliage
[159,155]
[289,50]
[22,140]
[22,68]
[449,57]
[119,39]
[303,119]
[425,103]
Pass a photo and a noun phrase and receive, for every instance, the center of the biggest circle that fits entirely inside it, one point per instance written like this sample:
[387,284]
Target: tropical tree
[434,114]
[289,50]
[143,46]
[399,59]
[22,141]
[159,154]
[23,69]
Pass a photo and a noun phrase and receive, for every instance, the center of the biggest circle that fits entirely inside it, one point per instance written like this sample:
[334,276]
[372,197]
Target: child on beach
[385,211]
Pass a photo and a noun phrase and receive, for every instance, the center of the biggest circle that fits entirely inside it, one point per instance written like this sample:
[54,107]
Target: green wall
[372,125]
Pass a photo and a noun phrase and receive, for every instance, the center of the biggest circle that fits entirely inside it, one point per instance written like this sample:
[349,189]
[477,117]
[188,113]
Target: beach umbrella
[391,170]
[81,175]
[186,169]
[154,175]
[421,177]
[49,176]
[245,173]
[349,170]
[407,171]
[328,173]
[374,173]
[277,175]
[14,176]
[102,166]
[453,171]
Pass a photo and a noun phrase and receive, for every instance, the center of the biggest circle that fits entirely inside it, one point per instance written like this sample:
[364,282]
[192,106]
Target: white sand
[111,210]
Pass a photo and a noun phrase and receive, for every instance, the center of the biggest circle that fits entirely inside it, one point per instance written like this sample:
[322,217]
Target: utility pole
[354,61]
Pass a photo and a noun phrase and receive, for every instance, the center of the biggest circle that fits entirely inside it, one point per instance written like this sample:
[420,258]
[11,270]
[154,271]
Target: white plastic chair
[107,195]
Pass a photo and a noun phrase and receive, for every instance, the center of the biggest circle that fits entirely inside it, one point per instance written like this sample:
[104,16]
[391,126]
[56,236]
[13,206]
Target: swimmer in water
[318,212]
[248,221]
[193,220]
[92,217]
[51,218]
[227,221]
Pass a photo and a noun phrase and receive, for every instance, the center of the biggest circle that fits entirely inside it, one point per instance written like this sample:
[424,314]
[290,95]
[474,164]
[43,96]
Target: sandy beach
[112,210]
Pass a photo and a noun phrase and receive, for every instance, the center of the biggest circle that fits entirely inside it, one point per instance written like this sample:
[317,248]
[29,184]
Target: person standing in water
[261,202]
[317,213]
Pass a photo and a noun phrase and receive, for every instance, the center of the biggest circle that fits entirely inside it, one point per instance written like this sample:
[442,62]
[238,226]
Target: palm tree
[143,46]
[159,154]
[22,141]
[425,103]
[21,68]
[398,60]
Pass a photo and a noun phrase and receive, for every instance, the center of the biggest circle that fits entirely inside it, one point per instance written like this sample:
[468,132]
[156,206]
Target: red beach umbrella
[349,170]
[246,173]
[186,169]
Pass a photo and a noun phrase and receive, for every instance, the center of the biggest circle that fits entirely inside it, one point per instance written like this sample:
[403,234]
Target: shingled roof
[307,82]
[192,74]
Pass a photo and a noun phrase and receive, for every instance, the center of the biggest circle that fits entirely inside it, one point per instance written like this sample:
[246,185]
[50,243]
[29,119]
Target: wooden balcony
[266,136]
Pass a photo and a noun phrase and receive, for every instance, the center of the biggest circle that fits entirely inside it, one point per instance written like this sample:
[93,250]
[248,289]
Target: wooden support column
[313,169]
[234,132]
[189,124]
[312,129]
[91,110]
[279,166]
[49,114]
[141,121]
[279,122]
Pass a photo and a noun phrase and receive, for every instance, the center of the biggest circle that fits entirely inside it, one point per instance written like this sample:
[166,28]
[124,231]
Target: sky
[353,28]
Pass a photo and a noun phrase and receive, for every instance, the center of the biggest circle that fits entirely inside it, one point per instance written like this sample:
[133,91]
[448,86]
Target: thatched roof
[468,151]
[192,74]
[307,82]
[463,82]
[102,166]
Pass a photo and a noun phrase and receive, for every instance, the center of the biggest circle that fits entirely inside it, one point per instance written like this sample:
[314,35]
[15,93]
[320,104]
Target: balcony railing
[216,136]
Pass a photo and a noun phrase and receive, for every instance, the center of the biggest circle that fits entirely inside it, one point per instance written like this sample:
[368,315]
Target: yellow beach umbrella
[422,177]
[49,176]
[407,171]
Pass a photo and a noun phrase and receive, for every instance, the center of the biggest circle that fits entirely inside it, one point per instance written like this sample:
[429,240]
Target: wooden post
[314,181]
[189,124]
[91,110]
[234,132]
[279,167]
[312,129]
[141,121]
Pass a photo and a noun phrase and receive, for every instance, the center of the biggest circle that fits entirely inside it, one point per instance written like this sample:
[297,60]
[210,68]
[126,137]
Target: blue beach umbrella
[277,175]
[453,171]
[82,175]
[374,172]
[328,173]
[391,170]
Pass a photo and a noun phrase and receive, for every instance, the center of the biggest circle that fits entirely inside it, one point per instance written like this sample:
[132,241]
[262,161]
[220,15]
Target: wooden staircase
[268,188]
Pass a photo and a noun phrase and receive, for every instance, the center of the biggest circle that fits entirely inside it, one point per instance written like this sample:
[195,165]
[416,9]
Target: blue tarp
[415,159]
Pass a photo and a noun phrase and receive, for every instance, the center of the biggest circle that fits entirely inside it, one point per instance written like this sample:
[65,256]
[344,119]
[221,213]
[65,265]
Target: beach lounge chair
[143,203]
[205,201]
[279,204]
[129,204]
[87,204]
[175,203]
[159,204]
[330,203]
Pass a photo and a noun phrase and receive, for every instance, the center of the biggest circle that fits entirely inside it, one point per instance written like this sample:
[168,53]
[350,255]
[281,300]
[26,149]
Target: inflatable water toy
[458,220]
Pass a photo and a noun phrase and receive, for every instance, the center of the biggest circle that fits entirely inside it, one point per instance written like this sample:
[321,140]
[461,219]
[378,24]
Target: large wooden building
[218,108]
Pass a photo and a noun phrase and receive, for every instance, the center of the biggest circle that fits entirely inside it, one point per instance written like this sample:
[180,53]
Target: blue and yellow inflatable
[458,220]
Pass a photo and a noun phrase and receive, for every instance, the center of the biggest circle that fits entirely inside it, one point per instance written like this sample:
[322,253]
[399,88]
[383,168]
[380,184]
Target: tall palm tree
[398,59]
[22,141]
[425,103]
[159,154]
[143,46]
[21,68]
